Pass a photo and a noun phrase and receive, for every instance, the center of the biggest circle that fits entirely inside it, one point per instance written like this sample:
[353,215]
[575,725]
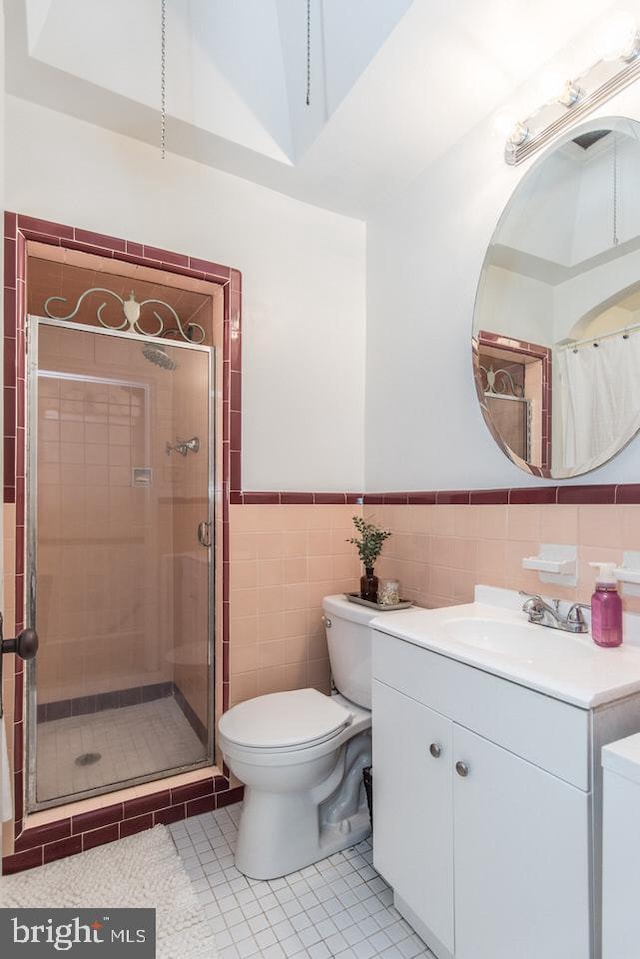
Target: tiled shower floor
[133,741]
[339,907]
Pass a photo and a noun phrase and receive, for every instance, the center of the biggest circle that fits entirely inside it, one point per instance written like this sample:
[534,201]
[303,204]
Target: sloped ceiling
[393,82]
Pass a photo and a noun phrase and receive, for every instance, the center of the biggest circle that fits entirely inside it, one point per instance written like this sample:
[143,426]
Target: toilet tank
[349,642]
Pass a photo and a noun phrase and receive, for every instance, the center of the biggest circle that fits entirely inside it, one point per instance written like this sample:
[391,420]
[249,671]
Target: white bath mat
[140,871]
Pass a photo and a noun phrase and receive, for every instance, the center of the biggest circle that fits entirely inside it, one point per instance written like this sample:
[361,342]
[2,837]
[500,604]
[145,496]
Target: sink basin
[518,640]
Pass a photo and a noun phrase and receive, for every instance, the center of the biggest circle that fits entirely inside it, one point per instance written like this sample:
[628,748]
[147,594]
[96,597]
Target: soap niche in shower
[122,689]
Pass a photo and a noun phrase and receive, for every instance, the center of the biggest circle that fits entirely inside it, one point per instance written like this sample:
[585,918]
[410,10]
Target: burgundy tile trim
[191,791]
[21,861]
[136,260]
[235,396]
[10,224]
[204,804]
[40,835]
[46,238]
[373,499]
[488,497]
[18,746]
[229,797]
[235,431]
[19,698]
[421,499]
[628,494]
[235,498]
[10,276]
[128,827]
[101,239]
[355,498]
[63,848]
[169,815]
[220,783]
[299,499]
[396,499]
[453,497]
[142,804]
[536,494]
[18,797]
[254,499]
[208,266]
[323,499]
[97,837]
[586,494]
[166,256]
[88,248]
[183,271]
[135,248]
[96,818]
[27,223]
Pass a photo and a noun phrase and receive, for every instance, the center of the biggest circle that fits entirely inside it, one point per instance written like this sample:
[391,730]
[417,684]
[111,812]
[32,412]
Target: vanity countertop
[501,641]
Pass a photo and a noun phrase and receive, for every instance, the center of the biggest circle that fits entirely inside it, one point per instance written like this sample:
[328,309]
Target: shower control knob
[436,750]
[462,769]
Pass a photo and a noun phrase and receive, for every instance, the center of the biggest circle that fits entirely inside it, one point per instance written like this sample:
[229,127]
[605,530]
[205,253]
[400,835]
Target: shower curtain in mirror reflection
[599,400]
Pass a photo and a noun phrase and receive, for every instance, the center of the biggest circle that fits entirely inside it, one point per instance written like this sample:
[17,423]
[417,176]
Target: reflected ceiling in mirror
[556,344]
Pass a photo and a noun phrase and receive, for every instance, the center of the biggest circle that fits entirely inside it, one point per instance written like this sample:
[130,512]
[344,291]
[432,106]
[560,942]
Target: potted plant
[369,547]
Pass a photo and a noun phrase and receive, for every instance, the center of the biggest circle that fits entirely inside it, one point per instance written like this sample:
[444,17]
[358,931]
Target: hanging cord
[308,96]
[616,238]
[163,78]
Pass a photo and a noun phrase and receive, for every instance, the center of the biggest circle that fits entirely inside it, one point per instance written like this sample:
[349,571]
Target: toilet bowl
[301,754]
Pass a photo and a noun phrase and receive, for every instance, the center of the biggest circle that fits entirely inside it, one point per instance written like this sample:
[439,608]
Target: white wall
[425,249]
[304,280]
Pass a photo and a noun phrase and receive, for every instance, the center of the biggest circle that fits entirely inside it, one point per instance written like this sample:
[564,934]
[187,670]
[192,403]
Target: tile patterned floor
[339,907]
[132,741]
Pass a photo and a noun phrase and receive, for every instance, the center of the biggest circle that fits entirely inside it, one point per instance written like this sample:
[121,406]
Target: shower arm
[183,446]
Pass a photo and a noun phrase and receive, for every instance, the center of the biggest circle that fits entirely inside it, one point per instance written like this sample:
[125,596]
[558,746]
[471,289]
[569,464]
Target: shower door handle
[204,534]
[24,645]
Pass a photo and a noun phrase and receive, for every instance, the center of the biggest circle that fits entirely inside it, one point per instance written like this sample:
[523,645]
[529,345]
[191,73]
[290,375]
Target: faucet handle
[575,613]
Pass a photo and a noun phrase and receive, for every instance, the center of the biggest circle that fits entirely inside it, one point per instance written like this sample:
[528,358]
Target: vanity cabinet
[488,852]
[413,806]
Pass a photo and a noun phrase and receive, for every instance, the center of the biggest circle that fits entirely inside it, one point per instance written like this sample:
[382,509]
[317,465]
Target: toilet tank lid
[279,720]
[340,607]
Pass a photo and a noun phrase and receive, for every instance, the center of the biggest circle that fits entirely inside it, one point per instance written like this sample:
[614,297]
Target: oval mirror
[556,349]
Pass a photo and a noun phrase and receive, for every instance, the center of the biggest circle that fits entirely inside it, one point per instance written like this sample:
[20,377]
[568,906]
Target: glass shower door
[120,511]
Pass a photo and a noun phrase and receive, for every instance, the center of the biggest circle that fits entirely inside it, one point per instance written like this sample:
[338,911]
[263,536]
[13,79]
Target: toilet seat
[287,722]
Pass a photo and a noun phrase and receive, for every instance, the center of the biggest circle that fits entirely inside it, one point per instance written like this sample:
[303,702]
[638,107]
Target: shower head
[158,355]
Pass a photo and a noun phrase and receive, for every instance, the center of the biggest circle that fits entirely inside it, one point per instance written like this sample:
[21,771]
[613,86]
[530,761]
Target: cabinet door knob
[436,750]
[462,769]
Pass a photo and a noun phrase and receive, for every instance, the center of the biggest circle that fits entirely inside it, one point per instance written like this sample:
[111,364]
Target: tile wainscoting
[284,559]
[440,552]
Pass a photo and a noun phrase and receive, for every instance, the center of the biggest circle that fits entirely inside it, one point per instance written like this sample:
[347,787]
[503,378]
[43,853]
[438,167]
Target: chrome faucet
[542,614]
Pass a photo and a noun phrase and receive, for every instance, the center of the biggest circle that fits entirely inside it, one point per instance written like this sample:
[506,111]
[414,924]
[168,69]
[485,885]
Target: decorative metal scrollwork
[131,308]
[500,383]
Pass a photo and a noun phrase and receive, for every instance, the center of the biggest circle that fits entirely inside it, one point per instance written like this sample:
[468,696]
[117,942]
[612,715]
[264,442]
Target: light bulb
[503,125]
[619,39]
[552,87]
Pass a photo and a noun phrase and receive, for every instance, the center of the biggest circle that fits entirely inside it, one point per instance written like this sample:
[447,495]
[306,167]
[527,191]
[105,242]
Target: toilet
[301,754]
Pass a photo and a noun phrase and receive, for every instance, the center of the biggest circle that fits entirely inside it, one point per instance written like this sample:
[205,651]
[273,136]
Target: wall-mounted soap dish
[629,573]
[555,564]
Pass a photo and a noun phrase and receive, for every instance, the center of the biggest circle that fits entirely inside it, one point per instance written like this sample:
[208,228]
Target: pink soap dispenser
[606,607]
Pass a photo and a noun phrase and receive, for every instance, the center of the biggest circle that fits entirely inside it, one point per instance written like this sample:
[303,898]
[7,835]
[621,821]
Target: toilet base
[276,838]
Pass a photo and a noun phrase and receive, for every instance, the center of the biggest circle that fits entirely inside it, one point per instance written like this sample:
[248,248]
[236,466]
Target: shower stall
[120,514]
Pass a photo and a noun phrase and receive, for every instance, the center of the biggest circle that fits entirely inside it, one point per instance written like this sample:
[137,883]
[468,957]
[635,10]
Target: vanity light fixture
[569,101]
